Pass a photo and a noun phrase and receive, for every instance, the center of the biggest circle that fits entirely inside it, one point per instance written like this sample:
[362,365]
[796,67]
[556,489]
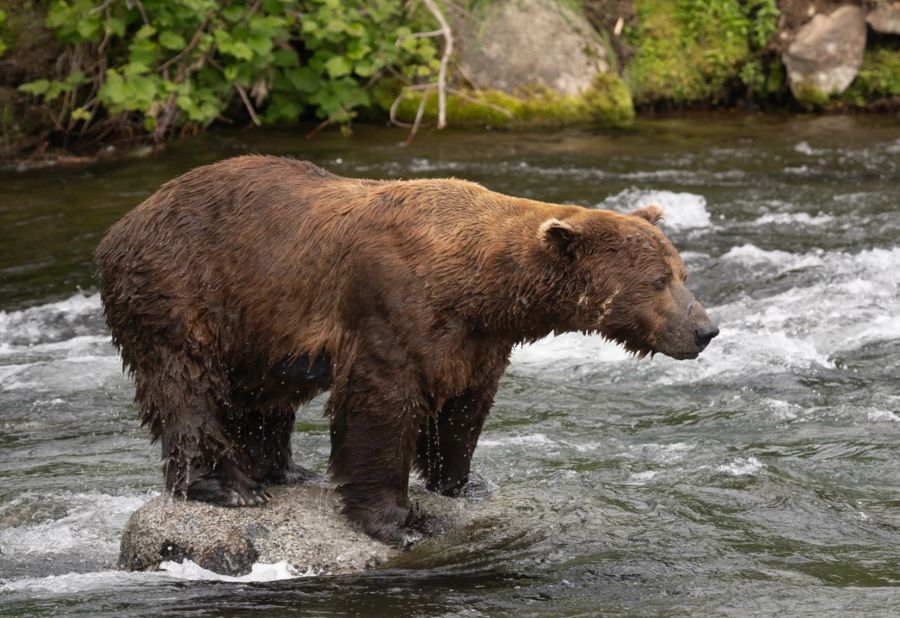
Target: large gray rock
[302,525]
[885,16]
[520,43]
[827,52]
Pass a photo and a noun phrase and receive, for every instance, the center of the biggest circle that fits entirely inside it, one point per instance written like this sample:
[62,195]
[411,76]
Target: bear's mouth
[684,355]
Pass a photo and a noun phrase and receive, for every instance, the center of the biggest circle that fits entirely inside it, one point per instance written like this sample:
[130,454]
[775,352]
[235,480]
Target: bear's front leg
[447,442]
[375,422]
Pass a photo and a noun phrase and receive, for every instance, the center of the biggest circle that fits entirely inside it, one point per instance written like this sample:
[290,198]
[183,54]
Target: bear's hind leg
[181,397]
[264,436]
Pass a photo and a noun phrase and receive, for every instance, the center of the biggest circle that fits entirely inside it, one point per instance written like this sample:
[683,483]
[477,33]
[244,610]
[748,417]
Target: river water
[762,478]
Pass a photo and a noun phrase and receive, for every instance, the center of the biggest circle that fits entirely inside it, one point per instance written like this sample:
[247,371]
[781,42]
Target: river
[761,479]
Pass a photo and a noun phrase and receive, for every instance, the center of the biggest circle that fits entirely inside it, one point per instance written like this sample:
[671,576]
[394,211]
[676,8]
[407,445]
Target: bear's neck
[536,297]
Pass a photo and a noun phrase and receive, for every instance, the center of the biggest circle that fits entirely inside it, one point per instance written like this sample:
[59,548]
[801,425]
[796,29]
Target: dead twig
[463,95]
[187,49]
[419,35]
[247,104]
[418,121]
[319,127]
[445,59]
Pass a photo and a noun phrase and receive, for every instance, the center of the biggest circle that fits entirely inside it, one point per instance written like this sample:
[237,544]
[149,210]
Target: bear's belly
[296,379]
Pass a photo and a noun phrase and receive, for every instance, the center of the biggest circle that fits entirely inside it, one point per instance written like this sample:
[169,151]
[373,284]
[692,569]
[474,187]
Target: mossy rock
[607,103]
[810,97]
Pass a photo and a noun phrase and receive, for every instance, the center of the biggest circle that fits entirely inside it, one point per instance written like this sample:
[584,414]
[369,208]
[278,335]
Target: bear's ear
[651,212]
[559,237]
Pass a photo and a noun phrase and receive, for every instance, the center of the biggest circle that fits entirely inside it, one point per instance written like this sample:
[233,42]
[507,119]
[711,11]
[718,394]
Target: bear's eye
[661,282]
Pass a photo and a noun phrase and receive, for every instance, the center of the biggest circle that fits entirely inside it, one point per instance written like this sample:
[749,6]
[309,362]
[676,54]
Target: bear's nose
[705,334]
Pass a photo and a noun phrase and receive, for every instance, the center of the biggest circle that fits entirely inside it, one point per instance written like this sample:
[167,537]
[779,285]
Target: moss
[878,77]
[695,50]
[810,97]
[608,103]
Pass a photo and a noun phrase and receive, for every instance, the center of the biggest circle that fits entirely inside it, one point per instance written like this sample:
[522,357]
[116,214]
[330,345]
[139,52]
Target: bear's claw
[233,492]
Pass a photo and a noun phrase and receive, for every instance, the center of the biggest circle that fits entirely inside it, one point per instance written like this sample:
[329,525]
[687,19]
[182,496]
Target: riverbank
[89,79]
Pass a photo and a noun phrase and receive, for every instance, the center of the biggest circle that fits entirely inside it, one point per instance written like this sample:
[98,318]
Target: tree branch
[247,104]
[445,59]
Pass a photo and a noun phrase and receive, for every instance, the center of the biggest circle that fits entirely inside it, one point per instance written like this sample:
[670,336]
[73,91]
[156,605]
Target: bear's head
[625,280]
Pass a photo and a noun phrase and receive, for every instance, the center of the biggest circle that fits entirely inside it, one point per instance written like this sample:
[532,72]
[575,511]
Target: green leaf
[304,79]
[336,25]
[285,58]
[337,66]
[81,114]
[143,51]
[364,68]
[261,45]
[171,40]
[145,32]
[88,29]
[75,79]
[238,49]
[114,26]
[233,13]
[113,89]
[37,87]
[135,68]
[356,30]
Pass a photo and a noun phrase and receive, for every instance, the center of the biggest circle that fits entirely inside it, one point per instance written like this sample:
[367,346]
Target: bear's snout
[704,334]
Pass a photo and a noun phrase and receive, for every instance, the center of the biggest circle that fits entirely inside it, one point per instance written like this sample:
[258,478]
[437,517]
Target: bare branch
[393,113]
[247,104]
[463,95]
[419,35]
[319,127]
[191,45]
[418,121]
[445,58]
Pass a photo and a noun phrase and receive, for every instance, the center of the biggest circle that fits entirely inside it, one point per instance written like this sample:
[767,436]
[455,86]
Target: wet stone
[301,525]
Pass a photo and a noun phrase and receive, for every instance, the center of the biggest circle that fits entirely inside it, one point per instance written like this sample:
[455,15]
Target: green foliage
[878,77]
[166,63]
[696,50]
[2,21]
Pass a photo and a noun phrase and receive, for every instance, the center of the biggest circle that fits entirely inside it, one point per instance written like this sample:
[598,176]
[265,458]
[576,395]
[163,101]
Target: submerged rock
[302,525]
[826,54]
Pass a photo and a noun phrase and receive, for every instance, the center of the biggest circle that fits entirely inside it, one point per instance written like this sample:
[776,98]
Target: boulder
[518,44]
[301,525]
[826,53]
[885,16]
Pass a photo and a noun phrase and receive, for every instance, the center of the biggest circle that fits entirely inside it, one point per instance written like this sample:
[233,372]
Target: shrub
[165,65]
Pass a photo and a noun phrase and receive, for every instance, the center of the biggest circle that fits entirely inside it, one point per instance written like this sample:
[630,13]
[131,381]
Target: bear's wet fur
[245,288]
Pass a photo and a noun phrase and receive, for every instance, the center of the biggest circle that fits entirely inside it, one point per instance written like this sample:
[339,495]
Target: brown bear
[244,288]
